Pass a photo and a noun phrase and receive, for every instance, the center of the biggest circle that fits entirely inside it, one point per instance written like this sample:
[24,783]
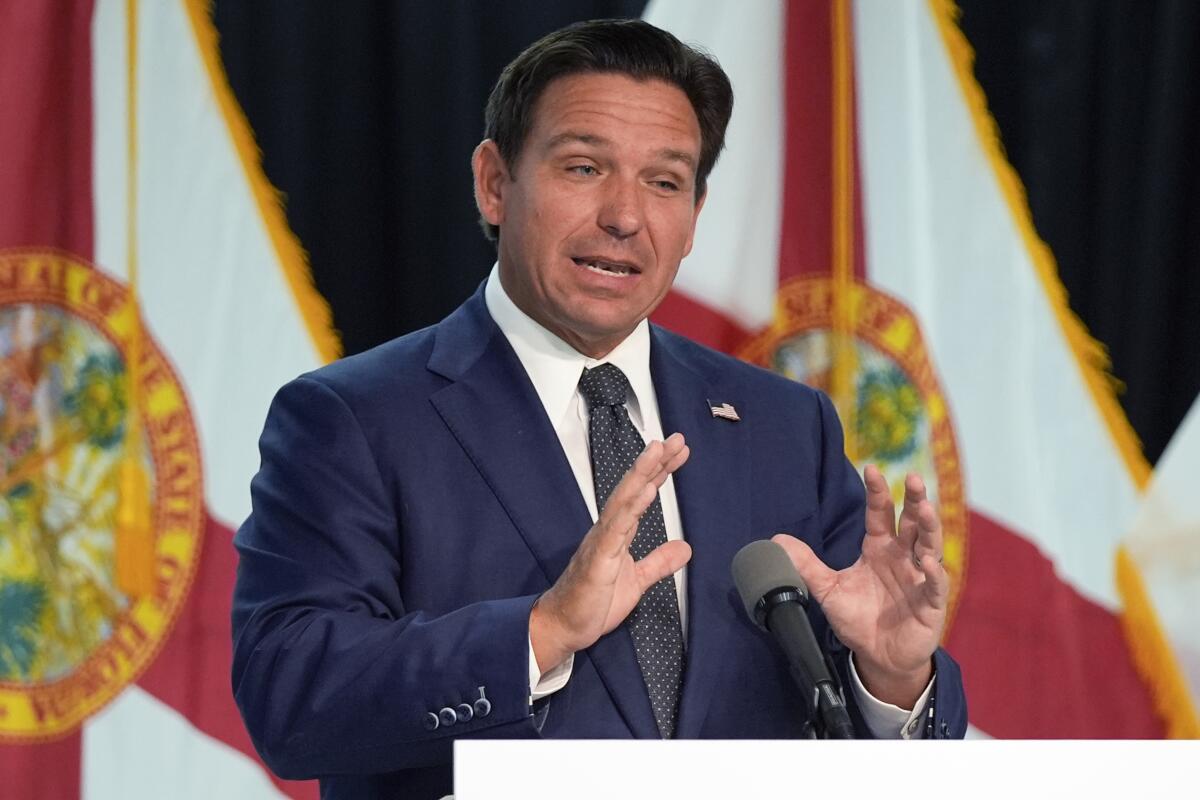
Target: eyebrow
[680,156]
[569,137]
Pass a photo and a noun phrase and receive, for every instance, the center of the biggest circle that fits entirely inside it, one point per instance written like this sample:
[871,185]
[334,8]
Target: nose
[621,214]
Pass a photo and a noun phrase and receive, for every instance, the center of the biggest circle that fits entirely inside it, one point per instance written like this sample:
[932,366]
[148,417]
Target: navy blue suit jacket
[413,502]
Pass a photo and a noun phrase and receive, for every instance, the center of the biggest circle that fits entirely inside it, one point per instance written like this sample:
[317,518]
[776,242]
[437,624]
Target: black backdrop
[367,113]
[1098,105]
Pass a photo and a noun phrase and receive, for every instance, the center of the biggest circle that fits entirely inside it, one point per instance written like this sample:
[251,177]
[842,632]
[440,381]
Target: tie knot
[604,385]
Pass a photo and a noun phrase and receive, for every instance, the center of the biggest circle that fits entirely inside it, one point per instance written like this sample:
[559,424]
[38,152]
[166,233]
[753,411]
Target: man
[464,533]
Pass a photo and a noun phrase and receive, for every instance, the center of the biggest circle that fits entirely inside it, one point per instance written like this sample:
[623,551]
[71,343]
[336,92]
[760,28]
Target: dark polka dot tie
[654,623]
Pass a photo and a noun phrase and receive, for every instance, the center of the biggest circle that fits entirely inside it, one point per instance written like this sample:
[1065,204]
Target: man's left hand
[889,607]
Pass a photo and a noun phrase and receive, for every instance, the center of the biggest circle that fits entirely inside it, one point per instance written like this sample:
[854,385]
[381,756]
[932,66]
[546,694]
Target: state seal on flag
[70,637]
[875,367]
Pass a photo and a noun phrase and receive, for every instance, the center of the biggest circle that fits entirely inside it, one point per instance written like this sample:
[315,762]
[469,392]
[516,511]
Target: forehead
[616,106]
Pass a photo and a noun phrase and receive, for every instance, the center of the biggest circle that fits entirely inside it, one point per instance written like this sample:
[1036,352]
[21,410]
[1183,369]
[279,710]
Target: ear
[491,178]
[695,216]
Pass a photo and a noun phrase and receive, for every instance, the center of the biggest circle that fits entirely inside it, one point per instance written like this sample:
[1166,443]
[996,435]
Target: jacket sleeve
[843,506]
[332,674]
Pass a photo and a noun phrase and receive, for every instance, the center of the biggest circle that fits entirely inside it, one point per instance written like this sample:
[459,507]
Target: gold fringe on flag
[313,308]
[135,529]
[1152,653]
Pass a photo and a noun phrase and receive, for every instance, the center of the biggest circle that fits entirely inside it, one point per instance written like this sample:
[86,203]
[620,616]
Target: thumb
[820,578]
[666,559]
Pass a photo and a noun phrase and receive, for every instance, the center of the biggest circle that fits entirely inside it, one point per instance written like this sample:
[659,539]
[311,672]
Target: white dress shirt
[554,369]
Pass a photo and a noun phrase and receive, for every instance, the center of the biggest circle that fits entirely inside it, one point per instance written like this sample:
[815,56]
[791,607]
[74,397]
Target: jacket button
[483,706]
[464,712]
[447,716]
[431,721]
[945,729]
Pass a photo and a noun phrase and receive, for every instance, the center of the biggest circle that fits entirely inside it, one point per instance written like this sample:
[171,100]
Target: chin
[604,326]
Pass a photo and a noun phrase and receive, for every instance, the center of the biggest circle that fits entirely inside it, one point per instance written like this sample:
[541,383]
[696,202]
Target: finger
[914,490]
[881,511]
[677,461]
[674,453]
[619,520]
[937,583]
[645,467]
[819,578]
[914,496]
[652,466]
[928,540]
[649,461]
[637,490]
[670,447]
[666,559]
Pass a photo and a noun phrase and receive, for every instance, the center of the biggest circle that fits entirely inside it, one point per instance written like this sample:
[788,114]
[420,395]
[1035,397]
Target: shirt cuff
[545,685]
[884,720]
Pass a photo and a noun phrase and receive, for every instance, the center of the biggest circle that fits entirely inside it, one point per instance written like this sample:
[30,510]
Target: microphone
[775,597]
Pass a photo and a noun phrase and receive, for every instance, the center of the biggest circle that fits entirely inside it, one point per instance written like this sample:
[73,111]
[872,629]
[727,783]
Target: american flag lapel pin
[724,411]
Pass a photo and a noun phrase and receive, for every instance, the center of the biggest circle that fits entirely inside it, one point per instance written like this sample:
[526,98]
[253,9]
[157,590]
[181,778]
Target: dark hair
[629,46]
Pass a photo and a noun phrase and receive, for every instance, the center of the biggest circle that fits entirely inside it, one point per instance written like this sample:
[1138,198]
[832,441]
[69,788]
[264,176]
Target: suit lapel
[494,412]
[712,489]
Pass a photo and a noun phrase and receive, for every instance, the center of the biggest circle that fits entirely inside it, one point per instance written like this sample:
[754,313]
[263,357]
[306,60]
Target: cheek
[672,233]
[571,206]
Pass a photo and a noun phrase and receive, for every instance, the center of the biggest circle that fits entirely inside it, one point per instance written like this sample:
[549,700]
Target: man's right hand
[602,584]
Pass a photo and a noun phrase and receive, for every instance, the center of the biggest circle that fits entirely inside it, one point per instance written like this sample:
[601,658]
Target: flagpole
[134,544]
[845,357]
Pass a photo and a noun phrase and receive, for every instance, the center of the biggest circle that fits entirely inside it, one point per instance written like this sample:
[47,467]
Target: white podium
[748,770]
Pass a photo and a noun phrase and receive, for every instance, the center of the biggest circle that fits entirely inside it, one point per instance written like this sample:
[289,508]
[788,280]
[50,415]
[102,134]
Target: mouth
[615,269]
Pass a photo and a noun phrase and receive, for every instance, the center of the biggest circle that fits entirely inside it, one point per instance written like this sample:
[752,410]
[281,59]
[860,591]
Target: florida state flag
[864,233]
[152,300]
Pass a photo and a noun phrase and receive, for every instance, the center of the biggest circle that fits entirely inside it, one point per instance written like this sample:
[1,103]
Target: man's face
[601,206]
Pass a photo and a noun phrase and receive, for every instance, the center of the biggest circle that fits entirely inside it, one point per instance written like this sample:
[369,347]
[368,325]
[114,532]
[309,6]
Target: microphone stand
[822,700]
[826,704]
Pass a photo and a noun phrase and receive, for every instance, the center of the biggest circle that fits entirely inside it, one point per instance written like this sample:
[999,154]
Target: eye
[668,186]
[583,169]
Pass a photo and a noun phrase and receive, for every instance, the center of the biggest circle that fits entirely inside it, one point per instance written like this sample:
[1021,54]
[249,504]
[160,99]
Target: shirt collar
[554,367]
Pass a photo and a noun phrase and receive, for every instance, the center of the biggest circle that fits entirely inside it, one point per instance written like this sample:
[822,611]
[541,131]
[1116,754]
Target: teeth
[605,268]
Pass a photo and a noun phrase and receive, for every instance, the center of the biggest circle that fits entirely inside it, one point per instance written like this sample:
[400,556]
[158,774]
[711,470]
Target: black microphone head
[761,568]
